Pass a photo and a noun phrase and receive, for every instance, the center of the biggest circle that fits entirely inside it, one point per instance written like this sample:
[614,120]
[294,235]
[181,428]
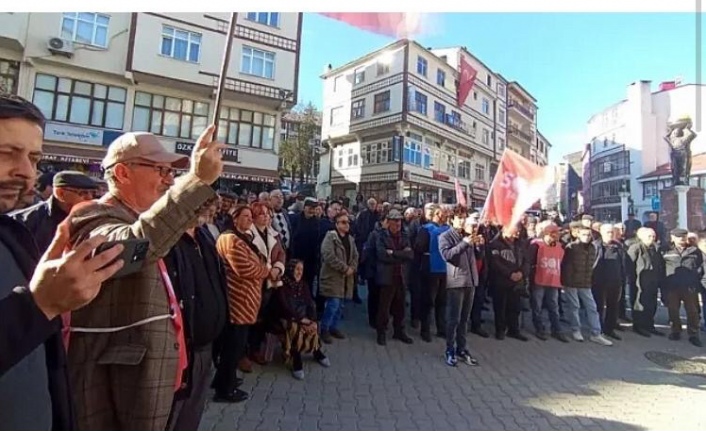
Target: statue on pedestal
[679,137]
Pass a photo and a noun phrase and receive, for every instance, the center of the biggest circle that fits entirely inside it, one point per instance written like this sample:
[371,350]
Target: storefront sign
[69,159]
[75,135]
[229,154]
[480,185]
[439,176]
[252,178]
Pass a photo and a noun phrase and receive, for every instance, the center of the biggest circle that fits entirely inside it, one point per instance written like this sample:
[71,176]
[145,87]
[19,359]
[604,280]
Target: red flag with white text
[465,82]
[517,185]
[460,197]
[393,24]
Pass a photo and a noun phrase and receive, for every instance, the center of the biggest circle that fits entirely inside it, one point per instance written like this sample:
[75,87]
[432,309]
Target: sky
[575,65]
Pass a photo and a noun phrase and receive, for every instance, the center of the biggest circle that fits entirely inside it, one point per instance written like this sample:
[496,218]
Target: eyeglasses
[164,171]
[84,193]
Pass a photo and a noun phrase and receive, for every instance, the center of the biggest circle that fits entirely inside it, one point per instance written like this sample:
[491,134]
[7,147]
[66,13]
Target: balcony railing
[605,200]
[521,134]
[527,112]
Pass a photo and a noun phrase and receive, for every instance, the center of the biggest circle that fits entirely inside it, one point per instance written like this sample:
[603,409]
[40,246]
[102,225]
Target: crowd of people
[230,280]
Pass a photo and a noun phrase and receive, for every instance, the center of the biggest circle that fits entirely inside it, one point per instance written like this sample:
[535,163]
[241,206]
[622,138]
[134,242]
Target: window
[358,109]
[439,112]
[419,104]
[265,18]
[486,137]
[451,164]
[501,144]
[475,95]
[336,83]
[383,68]
[181,44]
[9,75]
[426,157]
[258,63]
[85,27]
[336,118]
[480,172]
[422,66]
[489,81]
[464,169]
[441,77]
[359,76]
[486,106]
[376,153]
[413,150]
[79,102]
[501,116]
[340,157]
[351,160]
[169,116]
[382,102]
[242,127]
[501,90]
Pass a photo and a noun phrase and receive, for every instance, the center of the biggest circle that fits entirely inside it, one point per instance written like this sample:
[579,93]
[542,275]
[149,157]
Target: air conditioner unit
[59,46]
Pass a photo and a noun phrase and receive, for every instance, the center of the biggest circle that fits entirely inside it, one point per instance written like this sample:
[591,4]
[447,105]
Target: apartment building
[539,152]
[522,120]
[629,152]
[96,75]
[394,129]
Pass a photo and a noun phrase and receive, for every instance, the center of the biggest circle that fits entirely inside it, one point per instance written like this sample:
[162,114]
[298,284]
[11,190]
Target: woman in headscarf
[298,316]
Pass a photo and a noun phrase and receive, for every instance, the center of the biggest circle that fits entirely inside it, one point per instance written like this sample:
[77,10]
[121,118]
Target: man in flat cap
[683,268]
[127,352]
[68,189]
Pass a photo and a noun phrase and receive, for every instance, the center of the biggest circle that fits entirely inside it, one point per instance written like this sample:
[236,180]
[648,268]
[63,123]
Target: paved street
[519,386]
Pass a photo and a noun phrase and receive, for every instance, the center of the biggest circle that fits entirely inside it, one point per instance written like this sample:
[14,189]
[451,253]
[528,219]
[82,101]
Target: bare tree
[296,151]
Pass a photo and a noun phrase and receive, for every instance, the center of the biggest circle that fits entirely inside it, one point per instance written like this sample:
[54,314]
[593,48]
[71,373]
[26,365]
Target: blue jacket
[437,264]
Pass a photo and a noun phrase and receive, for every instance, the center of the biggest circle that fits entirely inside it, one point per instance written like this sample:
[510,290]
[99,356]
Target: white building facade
[96,75]
[394,130]
[627,145]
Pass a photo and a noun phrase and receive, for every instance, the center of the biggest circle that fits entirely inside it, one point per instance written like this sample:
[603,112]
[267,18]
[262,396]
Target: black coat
[506,258]
[401,254]
[41,220]
[23,327]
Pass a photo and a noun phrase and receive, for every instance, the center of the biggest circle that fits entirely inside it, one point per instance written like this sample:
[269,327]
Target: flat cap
[587,217]
[678,232]
[394,214]
[575,225]
[141,146]
[311,202]
[74,180]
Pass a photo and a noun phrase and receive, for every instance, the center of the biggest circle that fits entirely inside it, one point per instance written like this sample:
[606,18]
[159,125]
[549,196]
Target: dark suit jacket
[41,219]
[23,327]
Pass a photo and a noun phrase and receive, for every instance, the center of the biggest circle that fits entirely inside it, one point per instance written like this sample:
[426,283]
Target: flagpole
[230,35]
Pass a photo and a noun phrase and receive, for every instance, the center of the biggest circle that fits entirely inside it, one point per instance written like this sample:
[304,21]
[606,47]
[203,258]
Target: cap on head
[587,217]
[679,233]
[141,146]
[310,202]
[394,214]
[74,180]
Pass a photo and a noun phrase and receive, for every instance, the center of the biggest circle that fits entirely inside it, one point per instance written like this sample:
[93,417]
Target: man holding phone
[34,392]
[127,350]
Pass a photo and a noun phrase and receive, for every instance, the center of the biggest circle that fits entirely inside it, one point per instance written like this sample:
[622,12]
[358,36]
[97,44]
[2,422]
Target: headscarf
[296,287]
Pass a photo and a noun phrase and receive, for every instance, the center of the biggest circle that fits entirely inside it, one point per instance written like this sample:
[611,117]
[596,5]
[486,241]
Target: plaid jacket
[125,380]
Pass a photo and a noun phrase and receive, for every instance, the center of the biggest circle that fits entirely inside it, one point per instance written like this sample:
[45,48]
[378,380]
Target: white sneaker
[600,339]
[578,336]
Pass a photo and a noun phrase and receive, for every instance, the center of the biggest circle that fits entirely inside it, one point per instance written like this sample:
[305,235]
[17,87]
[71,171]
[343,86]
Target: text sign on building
[72,134]
[229,154]
[656,203]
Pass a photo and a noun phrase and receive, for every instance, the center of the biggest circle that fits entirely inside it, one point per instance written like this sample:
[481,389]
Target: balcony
[524,110]
[605,200]
[521,135]
[13,29]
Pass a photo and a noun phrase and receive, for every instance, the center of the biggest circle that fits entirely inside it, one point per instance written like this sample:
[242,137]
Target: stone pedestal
[692,217]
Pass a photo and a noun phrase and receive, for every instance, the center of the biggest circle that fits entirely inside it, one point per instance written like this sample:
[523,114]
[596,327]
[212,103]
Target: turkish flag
[394,24]
[465,82]
[460,197]
[517,185]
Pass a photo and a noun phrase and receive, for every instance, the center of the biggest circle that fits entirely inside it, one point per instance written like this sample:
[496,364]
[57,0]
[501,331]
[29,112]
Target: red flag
[517,185]
[460,197]
[395,24]
[465,82]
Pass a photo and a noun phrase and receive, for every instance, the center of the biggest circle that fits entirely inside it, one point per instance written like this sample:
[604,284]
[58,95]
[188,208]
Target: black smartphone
[133,255]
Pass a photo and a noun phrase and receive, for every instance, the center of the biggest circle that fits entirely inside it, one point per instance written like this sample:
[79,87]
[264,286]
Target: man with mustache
[34,391]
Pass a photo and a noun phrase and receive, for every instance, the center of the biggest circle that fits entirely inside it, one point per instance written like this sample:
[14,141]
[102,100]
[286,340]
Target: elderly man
[609,276]
[127,350]
[68,189]
[645,274]
[280,219]
[264,197]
